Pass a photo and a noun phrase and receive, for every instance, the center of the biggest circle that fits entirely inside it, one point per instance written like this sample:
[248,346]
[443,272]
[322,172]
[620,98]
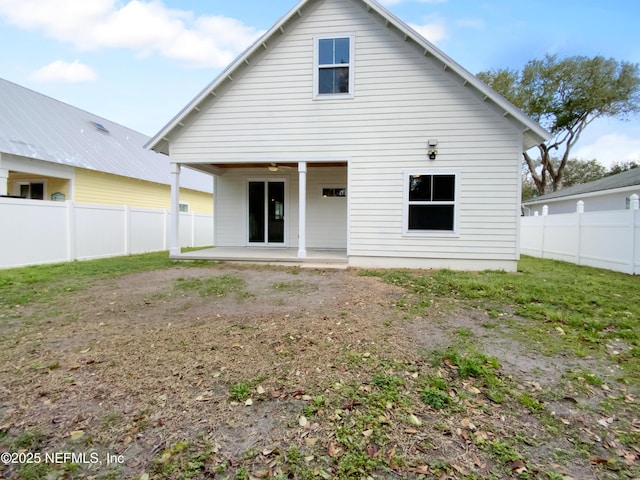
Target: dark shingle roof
[620,180]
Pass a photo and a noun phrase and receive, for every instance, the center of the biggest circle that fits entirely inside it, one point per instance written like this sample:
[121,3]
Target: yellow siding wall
[199,202]
[61,185]
[107,189]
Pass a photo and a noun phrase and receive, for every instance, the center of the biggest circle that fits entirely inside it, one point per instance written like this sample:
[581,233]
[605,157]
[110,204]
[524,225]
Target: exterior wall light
[431,151]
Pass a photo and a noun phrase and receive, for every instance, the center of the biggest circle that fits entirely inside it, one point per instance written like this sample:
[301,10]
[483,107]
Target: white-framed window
[333,66]
[430,203]
[183,207]
[33,189]
[334,192]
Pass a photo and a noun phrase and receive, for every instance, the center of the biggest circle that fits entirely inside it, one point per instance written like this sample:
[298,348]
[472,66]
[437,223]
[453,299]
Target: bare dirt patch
[142,370]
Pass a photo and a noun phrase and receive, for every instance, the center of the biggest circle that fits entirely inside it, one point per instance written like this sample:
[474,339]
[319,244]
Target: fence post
[193,229]
[165,223]
[634,207]
[545,213]
[71,231]
[126,214]
[4,179]
[579,212]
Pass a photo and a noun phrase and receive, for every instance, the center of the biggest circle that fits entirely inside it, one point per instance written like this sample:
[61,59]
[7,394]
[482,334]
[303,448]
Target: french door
[266,212]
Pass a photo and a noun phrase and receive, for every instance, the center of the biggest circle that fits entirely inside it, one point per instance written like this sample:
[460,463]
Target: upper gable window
[333,67]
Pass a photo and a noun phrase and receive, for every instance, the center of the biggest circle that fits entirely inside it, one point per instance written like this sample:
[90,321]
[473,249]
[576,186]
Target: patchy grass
[239,391]
[580,310]
[42,283]
[218,286]
[186,382]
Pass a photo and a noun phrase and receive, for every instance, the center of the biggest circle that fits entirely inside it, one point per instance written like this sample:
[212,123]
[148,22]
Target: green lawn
[586,307]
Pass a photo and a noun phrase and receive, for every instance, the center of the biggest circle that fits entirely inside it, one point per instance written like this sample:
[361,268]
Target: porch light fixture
[273,167]
[431,151]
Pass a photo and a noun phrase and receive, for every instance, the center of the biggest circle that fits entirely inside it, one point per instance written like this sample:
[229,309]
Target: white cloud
[609,149]
[433,31]
[61,71]
[146,27]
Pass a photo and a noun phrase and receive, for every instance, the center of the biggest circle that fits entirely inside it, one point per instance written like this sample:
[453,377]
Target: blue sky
[138,62]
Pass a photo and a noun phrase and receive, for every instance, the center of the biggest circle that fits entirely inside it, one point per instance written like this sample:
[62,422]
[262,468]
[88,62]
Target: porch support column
[302,209]
[174,234]
[4,179]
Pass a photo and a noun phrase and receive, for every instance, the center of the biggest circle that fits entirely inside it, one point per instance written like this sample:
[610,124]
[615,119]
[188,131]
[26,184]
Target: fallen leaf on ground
[333,450]
[518,467]
[413,420]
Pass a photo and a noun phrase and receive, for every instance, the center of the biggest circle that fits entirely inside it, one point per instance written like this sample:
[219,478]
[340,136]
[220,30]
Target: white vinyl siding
[403,99]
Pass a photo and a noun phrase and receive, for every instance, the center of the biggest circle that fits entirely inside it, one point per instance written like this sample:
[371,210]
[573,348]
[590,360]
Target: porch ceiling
[220,168]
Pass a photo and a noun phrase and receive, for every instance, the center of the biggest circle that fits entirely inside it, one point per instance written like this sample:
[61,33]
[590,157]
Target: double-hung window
[333,76]
[430,203]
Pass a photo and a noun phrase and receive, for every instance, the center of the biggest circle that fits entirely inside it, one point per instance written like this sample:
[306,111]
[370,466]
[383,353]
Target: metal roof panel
[36,126]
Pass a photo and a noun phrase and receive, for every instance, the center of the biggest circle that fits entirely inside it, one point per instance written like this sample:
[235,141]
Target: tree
[565,96]
[582,171]
[622,167]
[575,172]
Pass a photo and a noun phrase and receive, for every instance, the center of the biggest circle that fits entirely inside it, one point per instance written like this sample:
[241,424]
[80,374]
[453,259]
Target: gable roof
[36,126]
[533,133]
[630,178]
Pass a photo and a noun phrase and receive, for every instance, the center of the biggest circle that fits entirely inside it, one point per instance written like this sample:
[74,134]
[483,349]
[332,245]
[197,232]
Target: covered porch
[315,258]
[273,212]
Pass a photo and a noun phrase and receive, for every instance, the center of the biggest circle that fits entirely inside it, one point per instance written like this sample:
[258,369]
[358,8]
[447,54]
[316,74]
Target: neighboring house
[342,128]
[50,150]
[609,193]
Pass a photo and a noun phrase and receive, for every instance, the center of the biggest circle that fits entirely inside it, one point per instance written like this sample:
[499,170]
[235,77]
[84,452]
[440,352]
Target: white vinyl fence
[606,239]
[38,232]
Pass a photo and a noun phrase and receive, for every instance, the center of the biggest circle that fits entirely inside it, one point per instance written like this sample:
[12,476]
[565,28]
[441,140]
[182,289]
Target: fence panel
[560,235]
[607,240]
[603,239]
[34,232]
[39,232]
[99,231]
[147,230]
[203,229]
